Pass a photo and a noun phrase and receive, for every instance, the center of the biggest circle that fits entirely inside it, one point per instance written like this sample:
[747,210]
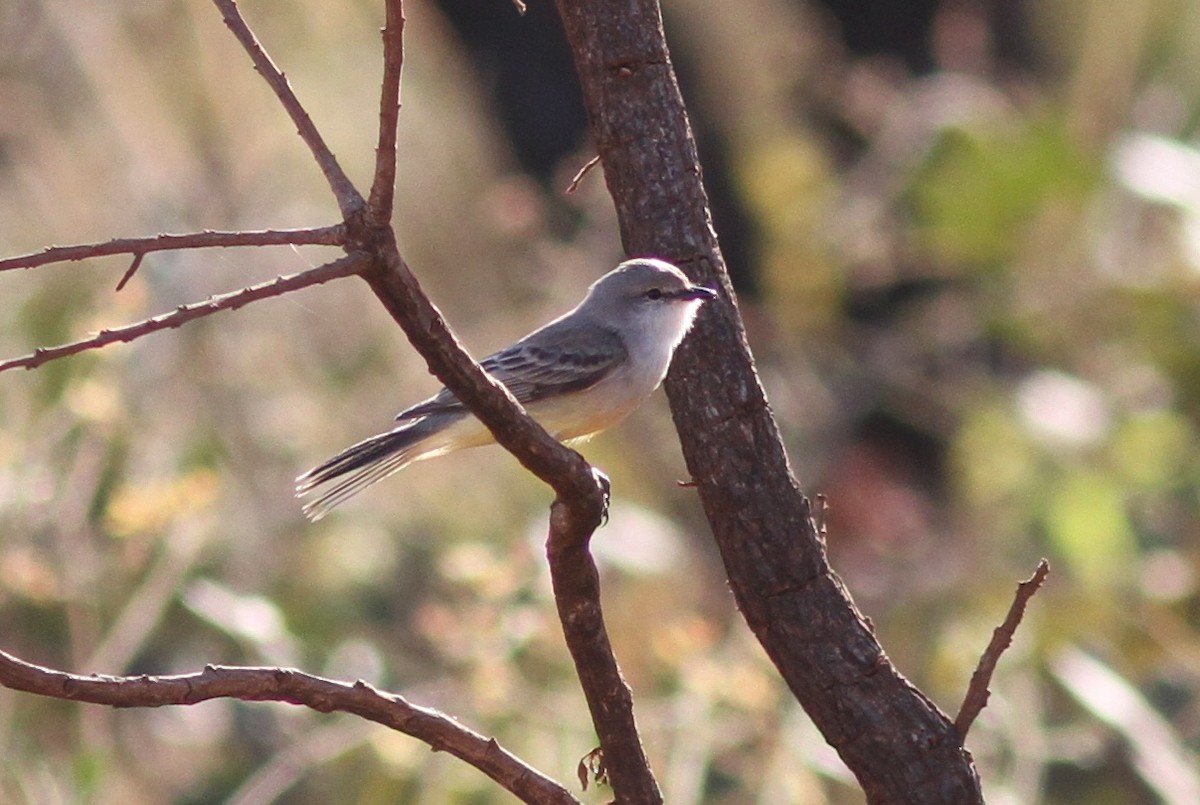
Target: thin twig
[349,200]
[977,691]
[343,267]
[134,265]
[582,172]
[208,239]
[383,188]
[294,687]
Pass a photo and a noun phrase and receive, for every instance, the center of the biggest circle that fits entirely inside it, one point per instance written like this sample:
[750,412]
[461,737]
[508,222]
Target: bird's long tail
[363,464]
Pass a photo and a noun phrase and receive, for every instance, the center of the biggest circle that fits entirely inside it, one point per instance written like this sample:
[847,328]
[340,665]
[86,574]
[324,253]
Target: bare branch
[208,239]
[294,687]
[383,188]
[580,502]
[576,584]
[560,467]
[977,691]
[343,267]
[580,495]
[349,200]
[580,499]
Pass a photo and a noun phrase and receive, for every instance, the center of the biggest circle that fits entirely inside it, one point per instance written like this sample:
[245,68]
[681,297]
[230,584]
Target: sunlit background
[966,237]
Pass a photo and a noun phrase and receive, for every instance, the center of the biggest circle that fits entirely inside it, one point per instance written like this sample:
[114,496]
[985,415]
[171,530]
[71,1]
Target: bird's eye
[654,294]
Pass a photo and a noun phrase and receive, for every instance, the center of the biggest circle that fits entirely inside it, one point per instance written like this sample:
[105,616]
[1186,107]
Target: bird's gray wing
[551,361]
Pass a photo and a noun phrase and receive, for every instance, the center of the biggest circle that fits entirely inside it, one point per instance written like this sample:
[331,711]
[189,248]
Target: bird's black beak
[700,292]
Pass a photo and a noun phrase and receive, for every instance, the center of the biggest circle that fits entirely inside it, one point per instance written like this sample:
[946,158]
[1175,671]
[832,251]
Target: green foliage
[982,186]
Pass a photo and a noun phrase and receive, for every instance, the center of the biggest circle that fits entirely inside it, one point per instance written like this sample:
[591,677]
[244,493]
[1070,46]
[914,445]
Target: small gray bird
[579,374]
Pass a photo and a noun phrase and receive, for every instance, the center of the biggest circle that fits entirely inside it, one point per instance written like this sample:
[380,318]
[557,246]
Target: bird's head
[648,298]
[646,286]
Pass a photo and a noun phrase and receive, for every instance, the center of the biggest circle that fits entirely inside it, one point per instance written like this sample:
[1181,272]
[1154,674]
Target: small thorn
[129,272]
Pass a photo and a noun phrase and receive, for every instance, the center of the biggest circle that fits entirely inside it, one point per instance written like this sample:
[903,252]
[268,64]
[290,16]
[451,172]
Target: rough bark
[900,745]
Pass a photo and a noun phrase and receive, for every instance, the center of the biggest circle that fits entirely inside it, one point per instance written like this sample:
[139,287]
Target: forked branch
[573,518]
[895,740]
[580,498]
[373,254]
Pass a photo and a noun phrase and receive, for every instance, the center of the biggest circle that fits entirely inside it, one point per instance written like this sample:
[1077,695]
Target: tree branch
[580,499]
[320,236]
[293,687]
[383,188]
[900,746]
[1002,637]
[580,491]
[343,267]
[349,200]
[574,516]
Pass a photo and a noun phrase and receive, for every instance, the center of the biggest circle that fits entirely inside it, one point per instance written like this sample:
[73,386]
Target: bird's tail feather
[361,465]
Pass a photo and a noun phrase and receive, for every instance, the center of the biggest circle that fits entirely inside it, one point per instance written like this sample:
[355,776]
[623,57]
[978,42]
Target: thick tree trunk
[899,744]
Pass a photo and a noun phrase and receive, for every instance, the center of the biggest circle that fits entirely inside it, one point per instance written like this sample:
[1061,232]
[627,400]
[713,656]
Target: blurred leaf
[995,461]
[1088,525]
[148,508]
[1160,169]
[251,619]
[789,184]
[89,771]
[979,190]
[1164,762]
[1151,451]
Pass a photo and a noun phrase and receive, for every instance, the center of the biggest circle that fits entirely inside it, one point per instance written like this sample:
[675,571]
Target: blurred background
[966,240]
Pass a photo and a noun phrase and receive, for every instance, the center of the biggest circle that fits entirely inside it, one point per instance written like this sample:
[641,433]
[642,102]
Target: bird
[577,375]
